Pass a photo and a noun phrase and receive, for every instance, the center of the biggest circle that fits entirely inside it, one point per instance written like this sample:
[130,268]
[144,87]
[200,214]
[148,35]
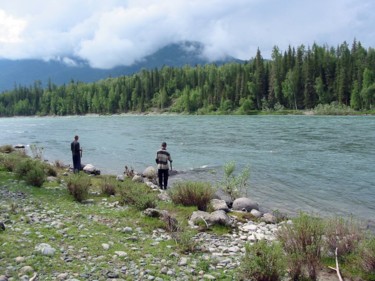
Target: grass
[77,231]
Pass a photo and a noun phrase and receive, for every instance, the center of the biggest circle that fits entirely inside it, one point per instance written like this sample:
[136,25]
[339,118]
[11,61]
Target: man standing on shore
[162,158]
[77,154]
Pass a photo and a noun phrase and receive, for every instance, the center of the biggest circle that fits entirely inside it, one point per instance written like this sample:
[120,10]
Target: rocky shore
[220,254]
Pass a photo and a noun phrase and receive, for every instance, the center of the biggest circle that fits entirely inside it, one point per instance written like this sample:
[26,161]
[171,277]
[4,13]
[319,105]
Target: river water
[319,164]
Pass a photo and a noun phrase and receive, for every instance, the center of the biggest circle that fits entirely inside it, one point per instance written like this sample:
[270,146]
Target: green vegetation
[139,195]
[262,262]
[78,186]
[303,241]
[235,185]
[304,246]
[297,79]
[189,193]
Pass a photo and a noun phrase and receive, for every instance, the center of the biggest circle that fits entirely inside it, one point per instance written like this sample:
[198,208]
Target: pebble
[220,252]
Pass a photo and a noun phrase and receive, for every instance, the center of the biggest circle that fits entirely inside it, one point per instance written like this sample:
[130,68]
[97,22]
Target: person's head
[76,137]
[164,144]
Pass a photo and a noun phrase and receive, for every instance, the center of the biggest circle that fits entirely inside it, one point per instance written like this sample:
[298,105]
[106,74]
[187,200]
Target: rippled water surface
[313,163]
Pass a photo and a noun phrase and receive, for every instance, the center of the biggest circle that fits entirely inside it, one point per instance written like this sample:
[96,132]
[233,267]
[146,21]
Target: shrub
[78,186]
[36,175]
[109,186]
[36,151]
[138,195]
[302,241]
[49,170]
[366,255]
[343,235]
[31,171]
[192,194]
[185,240]
[262,262]
[235,185]
[8,162]
[6,148]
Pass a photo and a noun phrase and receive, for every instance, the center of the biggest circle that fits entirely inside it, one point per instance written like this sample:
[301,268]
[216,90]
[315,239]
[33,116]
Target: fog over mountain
[59,71]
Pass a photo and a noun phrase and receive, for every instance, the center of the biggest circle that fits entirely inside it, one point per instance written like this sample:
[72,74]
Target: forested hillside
[298,78]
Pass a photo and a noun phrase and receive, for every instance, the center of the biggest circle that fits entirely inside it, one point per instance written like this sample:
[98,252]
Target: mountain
[26,72]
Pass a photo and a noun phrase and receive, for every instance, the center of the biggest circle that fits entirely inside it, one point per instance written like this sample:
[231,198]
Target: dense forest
[296,79]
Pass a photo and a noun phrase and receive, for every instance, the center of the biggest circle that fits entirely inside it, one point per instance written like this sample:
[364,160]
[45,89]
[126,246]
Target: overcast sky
[107,33]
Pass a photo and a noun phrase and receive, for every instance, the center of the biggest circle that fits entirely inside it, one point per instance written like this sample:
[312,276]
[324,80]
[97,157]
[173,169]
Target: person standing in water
[77,154]
[162,158]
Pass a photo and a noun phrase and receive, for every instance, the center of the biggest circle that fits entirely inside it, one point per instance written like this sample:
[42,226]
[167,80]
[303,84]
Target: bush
[31,171]
[343,235]
[49,170]
[262,262]
[185,240]
[8,162]
[109,186]
[6,148]
[235,186]
[35,176]
[192,194]
[138,195]
[78,186]
[302,241]
[366,255]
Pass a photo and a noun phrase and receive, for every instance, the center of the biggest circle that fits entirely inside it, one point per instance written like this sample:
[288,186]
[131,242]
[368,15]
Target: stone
[19,259]
[45,249]
[149,172]
[223,195]
[256,213]
[3,278]
[245,204]
[220,217]
[120,178]
[199,216]
[26,269]
[183,261]
[218,204]
[249,227]
[137,178]
[105,246]
[269,218]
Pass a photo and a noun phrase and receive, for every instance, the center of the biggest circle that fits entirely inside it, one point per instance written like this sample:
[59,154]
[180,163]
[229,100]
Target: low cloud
[111,33]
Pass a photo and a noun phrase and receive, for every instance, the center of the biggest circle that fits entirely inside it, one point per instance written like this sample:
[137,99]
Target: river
[319,164]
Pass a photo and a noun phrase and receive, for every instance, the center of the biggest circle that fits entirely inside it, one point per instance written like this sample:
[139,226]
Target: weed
[262,262]
[235,186]
[109,186]
[36,151]
[139,195]
[343,235]
[192,194]
[6,148]
[31,171]
[366,255]
[302,241]
[185,240]
[78,186]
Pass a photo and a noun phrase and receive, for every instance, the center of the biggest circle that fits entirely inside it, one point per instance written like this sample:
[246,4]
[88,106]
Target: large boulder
[217,205]
[90,169]
[217,217]
[149,172]
[220,217]
[199,216]
[137,178]
[245,204]
[223,195]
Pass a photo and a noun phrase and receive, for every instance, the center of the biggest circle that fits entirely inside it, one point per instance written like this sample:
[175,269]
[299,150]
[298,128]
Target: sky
[108,33]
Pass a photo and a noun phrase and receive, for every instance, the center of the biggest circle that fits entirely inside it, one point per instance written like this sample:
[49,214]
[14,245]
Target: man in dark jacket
[77,154]
[162,158]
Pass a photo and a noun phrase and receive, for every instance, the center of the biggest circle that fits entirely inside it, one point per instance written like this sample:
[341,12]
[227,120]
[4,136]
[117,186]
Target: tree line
[296,79]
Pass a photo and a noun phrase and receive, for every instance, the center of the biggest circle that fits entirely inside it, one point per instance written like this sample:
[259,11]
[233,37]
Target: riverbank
[49,236]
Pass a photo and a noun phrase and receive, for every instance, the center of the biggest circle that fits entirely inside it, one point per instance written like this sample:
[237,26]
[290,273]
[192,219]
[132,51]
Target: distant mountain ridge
[26,72]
